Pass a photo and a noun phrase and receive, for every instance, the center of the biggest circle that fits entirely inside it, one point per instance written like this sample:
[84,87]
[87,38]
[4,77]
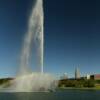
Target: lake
[58,95]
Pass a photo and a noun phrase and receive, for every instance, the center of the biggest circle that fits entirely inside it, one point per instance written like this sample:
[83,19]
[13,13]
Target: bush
[77,83]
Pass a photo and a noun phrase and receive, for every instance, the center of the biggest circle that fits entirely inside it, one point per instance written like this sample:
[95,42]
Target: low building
[87,77]
[95,77]
[64,76]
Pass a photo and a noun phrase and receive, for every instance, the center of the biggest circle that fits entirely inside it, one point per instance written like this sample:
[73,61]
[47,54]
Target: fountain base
[35,82]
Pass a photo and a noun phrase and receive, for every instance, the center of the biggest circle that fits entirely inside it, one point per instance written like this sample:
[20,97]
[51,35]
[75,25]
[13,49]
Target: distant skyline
[72,36]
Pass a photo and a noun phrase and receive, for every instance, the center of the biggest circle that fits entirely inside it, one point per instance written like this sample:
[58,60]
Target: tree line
[78,83]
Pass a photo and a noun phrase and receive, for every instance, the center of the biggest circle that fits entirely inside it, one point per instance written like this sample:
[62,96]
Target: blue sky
[72,35]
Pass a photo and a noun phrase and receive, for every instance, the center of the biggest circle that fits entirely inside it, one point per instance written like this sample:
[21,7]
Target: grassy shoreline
[82,88]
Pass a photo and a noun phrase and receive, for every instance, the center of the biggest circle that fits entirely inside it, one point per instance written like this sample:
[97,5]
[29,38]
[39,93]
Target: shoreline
[73,88]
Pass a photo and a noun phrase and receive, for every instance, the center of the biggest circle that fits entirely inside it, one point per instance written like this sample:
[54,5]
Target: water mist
[35,81]
[27,81]
[35,34]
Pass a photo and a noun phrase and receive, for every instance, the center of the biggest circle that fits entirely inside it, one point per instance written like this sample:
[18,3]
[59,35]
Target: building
[95,77]
[64,76]
[87,77]
[77,73]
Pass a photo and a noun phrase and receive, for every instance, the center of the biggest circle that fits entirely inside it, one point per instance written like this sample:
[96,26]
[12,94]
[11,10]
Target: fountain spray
[33,82]
[35,33]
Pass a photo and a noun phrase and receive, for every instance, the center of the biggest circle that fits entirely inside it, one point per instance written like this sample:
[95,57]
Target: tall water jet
[33,81]
[35,34]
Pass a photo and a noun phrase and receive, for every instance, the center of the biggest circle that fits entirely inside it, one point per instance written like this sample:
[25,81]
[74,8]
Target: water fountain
[35,34]
[27,81]
[35,81]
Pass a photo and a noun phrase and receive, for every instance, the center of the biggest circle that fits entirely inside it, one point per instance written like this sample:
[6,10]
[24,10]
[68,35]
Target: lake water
[58,95]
